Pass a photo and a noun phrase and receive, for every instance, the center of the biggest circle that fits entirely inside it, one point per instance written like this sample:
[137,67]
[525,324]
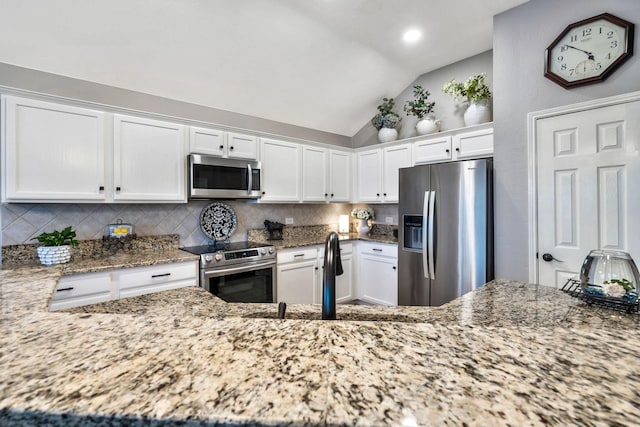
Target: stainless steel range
[238,271]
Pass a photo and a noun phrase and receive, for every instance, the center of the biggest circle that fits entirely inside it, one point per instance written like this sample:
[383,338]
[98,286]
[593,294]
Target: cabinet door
[395,157]
[344,282]
[156,278]
[432,150]
[369,176]
[53,152]
[78,290]
[339,176]
[280,171]
[378,279]
[472,145]
[242,146]
[149,160]
[207,141]
[296,282]
[314,174]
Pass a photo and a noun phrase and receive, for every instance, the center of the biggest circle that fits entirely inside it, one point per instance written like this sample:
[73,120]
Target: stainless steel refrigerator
[446,231]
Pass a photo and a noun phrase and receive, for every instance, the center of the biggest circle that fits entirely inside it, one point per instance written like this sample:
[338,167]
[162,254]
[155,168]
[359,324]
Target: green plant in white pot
[476,92]
[386,121]
[56,247]
[422,109]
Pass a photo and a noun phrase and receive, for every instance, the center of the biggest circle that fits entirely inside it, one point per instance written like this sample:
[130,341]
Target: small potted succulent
[364,215]
[474,91]
[386,121]
[422,109]
[56,247]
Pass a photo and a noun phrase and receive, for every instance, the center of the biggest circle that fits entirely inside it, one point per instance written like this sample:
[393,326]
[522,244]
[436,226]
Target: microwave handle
[250,178]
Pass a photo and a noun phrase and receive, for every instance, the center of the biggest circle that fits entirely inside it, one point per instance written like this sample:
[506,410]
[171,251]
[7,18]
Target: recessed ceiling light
[411,36]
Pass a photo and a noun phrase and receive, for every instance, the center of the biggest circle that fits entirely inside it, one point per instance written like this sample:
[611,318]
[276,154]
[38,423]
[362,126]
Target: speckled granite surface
[506,354]
[316,235]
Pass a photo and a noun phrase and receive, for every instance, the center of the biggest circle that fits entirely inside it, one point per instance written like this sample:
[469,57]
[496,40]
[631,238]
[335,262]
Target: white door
[588,173]
[207,141]
[395,157]
[149,160]
[314,174]
[280,171]
[242,146]
[296,282]
[339,173]
[369,175]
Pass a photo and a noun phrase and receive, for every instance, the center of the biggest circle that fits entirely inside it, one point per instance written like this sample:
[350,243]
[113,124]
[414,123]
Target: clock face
[589,50]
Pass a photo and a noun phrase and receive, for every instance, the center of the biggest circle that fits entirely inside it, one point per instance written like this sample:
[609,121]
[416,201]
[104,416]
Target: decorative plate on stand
[218,221]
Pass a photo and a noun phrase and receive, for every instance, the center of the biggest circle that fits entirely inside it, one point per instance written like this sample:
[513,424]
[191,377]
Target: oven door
[244,283]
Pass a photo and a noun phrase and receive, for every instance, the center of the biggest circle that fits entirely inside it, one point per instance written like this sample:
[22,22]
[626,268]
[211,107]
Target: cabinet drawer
[379,249]
[157,274]
[301,254]
[78,285]
[345,249]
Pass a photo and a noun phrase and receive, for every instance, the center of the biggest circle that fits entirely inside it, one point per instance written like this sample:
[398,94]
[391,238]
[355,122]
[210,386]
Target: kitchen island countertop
[506,354]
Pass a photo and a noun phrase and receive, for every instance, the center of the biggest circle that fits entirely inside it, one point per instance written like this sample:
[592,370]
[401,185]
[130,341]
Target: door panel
[586,163]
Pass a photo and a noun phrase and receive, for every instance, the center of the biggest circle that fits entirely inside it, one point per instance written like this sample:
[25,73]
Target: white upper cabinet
[325,174]
[395,157]
[314,174]
[242,146]
[458,146]
[339,178]
[378,172]
[215,142]
[52,152]
[280,171]
[149,160]
[369,169]
[471,145]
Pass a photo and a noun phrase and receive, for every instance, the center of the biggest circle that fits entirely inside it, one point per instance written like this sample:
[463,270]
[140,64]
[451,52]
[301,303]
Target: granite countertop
[295,242]
[506,354]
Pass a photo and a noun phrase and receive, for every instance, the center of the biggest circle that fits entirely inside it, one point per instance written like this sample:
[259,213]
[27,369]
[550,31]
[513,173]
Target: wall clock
[588,51]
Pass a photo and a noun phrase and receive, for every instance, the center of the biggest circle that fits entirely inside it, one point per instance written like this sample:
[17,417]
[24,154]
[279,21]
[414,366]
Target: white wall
[521,36]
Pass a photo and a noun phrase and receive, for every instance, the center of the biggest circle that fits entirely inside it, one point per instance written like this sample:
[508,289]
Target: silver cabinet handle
[425,220]
[432,207]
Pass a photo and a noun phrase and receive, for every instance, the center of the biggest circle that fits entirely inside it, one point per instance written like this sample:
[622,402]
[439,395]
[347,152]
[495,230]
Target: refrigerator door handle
[432,228]
[425,224]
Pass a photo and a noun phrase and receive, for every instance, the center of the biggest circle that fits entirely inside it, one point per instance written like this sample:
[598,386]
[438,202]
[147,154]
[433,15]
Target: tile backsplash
[21,222]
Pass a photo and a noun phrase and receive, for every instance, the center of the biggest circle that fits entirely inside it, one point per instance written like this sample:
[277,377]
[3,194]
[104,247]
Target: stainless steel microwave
[213,177]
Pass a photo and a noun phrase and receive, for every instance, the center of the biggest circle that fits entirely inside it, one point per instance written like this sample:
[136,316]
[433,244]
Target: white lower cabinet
[344,282]
[297,275]
[91,288]
[147,280]
[82,289]
[377,273]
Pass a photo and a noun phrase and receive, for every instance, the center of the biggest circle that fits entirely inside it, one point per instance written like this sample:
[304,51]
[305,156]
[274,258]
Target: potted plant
[422,109]
[386,121]
[57,246]
[364,215]
[474,91]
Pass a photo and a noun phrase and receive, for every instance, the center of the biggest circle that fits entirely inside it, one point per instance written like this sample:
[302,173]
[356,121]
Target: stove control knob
[270,250]
[218,257]
[208,258]
[263,251]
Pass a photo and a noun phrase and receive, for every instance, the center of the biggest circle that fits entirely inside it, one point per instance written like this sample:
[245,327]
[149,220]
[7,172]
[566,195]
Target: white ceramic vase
[387,134]
[427,125]
[477,113]
[50,255]
[363,227]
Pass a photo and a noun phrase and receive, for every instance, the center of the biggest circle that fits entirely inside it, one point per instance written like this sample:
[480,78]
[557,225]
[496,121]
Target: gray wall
[521,36]
[52,84]
[446,109]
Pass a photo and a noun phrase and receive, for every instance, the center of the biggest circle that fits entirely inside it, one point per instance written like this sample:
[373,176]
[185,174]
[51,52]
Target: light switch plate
[288,221]
[389,220]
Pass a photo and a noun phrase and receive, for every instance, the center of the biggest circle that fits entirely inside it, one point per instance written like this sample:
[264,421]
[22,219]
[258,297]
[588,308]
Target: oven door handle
[234,270]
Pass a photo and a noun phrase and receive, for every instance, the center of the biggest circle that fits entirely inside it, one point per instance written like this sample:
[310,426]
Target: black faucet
[332,268]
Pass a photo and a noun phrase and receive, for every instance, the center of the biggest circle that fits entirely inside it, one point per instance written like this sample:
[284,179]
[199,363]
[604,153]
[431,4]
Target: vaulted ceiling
[322,64]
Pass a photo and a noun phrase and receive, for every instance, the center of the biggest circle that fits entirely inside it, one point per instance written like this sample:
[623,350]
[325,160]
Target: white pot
[50,255]
[363,227]
[477,113]
[427,125]
[387,135]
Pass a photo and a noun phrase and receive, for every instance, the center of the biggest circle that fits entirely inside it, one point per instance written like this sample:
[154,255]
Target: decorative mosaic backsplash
[22,222]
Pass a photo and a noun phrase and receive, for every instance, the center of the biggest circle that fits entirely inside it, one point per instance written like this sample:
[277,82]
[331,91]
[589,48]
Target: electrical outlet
[389,220]
[288,221]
